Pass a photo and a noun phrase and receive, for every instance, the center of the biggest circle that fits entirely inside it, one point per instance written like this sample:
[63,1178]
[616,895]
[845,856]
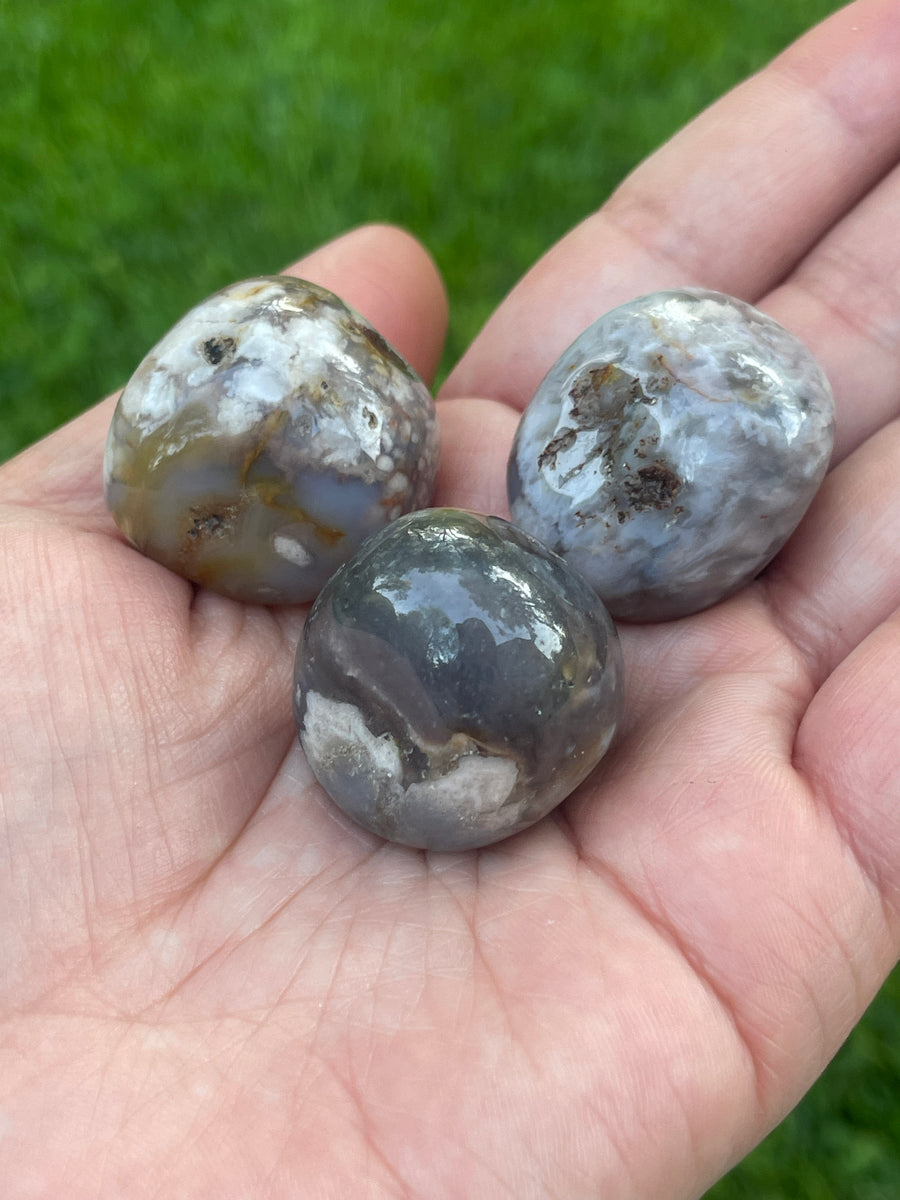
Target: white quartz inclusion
[291,549]
[477,787]
[334,729]
[337,741]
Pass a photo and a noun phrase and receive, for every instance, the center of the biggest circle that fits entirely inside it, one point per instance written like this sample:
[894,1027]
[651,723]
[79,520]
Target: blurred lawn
[152,152]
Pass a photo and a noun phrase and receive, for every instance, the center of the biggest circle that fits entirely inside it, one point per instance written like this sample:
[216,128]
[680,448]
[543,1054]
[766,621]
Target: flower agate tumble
[672,450]
[264,438]
[455,681]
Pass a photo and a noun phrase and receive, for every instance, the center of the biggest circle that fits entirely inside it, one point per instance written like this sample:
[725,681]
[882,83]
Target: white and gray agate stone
[672,450]
[455,681]
[267,435]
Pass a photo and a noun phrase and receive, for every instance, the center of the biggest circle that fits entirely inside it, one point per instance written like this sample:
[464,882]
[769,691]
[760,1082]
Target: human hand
[214,986]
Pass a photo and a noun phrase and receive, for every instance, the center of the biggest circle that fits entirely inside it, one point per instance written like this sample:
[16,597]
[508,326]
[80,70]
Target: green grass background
[152,151]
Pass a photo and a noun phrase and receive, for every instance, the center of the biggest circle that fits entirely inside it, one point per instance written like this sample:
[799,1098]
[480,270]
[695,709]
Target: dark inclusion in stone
[455,681]
[267,435]
[672,450]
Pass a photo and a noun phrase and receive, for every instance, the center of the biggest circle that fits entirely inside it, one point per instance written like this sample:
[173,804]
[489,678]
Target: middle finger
[732,202]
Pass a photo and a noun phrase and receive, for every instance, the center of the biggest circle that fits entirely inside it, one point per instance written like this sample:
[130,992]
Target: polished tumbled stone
[264,438]
[455,681]
[672,450]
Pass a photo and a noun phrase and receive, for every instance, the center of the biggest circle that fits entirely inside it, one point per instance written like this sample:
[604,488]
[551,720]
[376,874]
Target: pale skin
[213,986]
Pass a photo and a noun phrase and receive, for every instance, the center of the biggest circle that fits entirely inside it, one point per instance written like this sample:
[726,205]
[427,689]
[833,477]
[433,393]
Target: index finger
[380,270]
[732,202]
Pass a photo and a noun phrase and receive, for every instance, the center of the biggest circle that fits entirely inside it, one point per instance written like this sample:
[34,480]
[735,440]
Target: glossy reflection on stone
[672,450]
[267,435]
[455,681]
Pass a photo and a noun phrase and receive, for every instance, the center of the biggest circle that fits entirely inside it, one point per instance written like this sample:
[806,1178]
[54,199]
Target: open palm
[213,986]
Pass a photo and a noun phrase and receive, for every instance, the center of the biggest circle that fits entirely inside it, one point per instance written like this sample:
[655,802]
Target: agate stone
[672,450]
[455,681]
[267,435]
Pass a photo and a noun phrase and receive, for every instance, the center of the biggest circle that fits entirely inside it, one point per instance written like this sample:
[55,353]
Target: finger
[476,436]
[379,270]
[847,748]
[732,202]
[844,300]
[839,576]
